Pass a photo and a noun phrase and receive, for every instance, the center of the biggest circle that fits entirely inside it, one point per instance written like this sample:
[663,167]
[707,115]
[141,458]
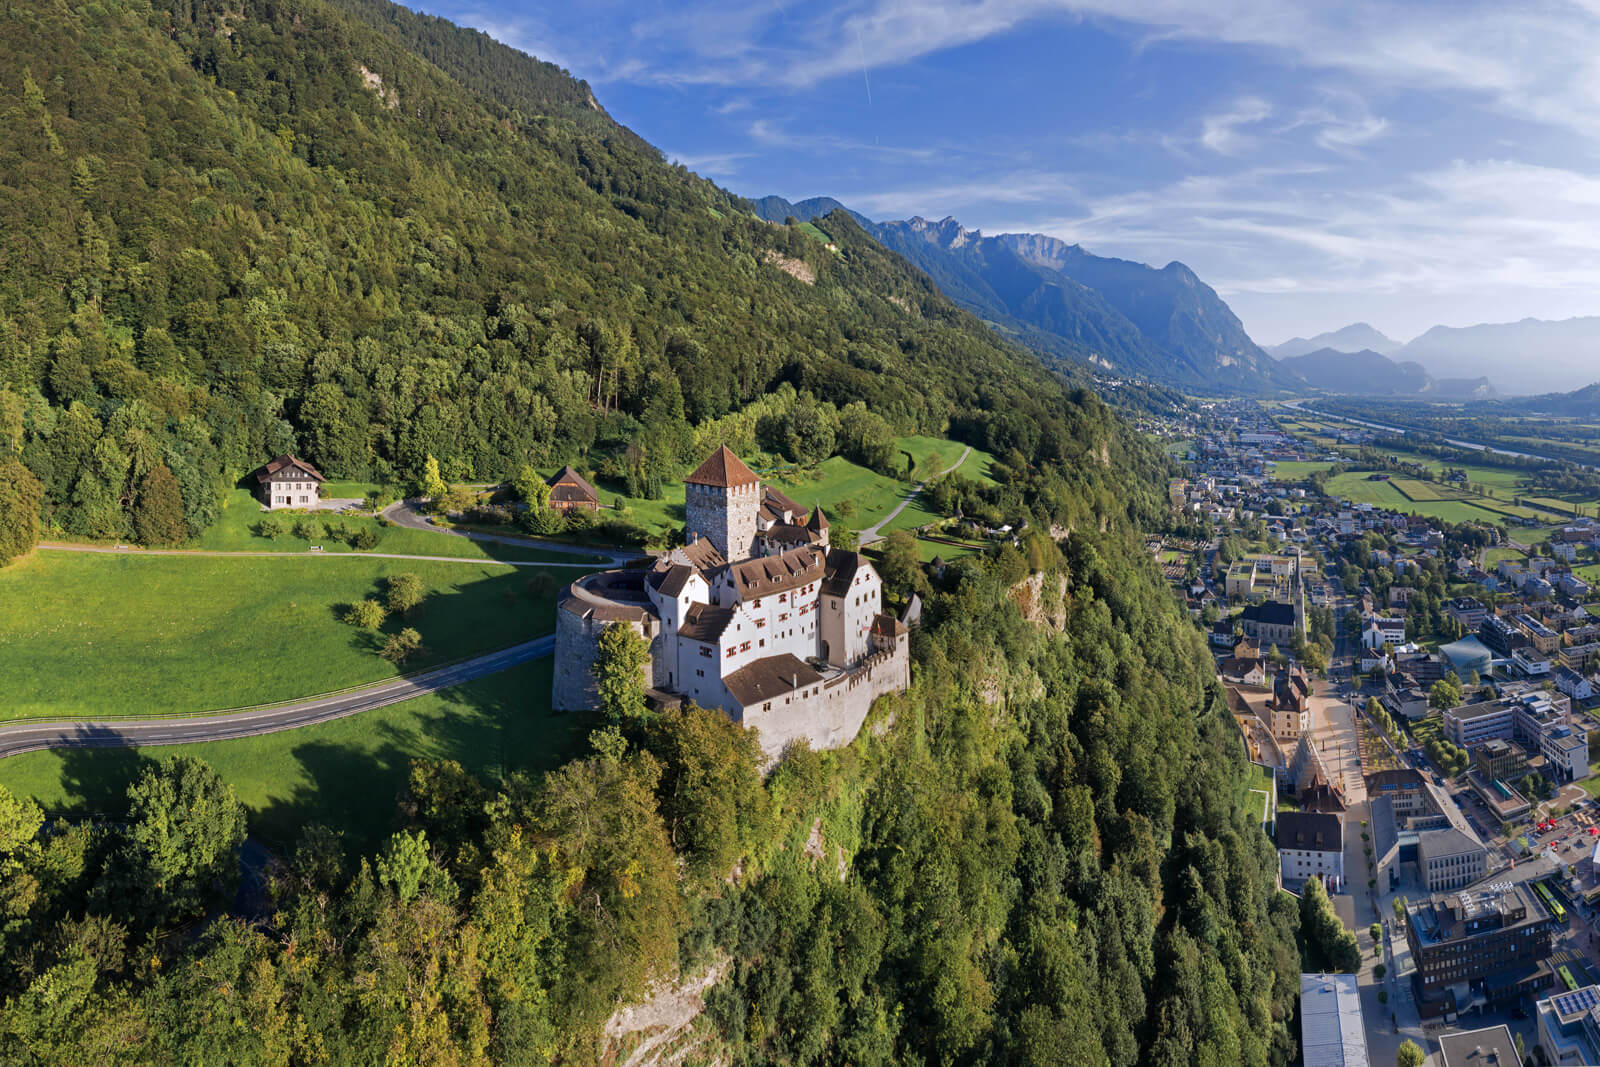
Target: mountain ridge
[1118,316]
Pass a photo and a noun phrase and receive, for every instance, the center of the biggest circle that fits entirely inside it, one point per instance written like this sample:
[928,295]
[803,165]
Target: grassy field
[1291,470]
[234,532]
[848,492]
[1495,555]
[102,634]
[1355,486]
[344,773]
[931,455]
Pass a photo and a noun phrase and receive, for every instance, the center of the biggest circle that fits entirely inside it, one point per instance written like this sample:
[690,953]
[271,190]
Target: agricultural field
[166,635]
[344,773]
[1458,507]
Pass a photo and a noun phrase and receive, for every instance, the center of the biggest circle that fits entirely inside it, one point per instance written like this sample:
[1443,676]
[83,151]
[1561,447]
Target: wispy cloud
[1225,134]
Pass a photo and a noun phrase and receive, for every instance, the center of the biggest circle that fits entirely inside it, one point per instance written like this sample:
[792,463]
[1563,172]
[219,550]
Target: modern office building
[1493,1046]
[1487,943]
[1569,1026]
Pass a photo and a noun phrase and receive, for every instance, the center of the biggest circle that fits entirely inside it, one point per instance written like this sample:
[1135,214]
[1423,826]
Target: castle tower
[721,500]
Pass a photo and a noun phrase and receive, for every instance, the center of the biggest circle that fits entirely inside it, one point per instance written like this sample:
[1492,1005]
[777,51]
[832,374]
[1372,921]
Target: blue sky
[1404,164]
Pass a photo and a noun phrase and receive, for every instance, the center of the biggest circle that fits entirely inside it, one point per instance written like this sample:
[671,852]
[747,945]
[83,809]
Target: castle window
[745,647]
[705,651]
[731,652]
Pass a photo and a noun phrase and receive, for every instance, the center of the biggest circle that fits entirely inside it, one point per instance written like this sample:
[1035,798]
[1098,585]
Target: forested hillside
[232,230]
[225,234]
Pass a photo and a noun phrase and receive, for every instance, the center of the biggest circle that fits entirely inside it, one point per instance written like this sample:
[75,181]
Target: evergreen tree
[158,511]
[21,495]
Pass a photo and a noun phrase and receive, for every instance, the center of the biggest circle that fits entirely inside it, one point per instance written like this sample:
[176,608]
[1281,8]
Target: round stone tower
[721,500]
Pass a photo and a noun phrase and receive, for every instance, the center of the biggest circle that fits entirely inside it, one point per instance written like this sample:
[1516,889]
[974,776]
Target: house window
[705,651]
[745,647]
[699,673]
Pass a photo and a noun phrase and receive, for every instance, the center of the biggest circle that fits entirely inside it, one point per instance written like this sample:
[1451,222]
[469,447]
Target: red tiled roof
[722,470]
[818,521]
[768,575]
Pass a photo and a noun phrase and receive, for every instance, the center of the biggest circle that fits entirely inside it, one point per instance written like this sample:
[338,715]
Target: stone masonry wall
[834,717]
[577,646]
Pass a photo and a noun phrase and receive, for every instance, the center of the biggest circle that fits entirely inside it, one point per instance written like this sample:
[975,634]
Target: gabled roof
[701,554]
[768,678]
[282,464]
[768,575]
[722,470]
[1314,831]
[568,485]
[670,578]
[775,504]
[841,571]
[704,623]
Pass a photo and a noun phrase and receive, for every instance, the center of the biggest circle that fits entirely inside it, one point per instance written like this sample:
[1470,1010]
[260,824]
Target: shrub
[310,529]
[364,539]
[367,614]
[402,646]
[272,527]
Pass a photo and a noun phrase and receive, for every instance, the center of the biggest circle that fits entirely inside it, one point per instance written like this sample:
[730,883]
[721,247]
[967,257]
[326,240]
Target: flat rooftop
[1492,1046]
[1331,1030]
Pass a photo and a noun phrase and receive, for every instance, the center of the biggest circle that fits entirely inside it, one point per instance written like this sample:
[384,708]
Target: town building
[1380,630]
[1331,1030]
[1569,1026]
[569,490]
[1467,657]
[1449,859]
[1270,623]
[1497,758]
[755,615]
[288,482]
[1492,1046]
[1311,845]
[1487,943]
[1466,610]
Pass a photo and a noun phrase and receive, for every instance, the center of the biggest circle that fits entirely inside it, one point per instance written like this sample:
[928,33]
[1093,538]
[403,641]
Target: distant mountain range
[1356,337]
[1369,373]
[1121,317]
[1517,358]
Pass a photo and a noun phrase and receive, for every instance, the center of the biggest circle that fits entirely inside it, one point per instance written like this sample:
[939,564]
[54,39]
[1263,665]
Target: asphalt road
[870,534]
[127,550]
[90,733]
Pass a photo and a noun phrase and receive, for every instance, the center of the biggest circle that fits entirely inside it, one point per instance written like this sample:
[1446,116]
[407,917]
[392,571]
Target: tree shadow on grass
[493,727]
[96,777]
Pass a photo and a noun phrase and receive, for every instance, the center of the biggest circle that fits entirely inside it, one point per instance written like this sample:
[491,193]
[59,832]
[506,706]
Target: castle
[755,615]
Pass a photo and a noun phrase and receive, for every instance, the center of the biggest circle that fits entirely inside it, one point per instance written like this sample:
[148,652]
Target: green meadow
[346,773]
[98,634]
[235,531]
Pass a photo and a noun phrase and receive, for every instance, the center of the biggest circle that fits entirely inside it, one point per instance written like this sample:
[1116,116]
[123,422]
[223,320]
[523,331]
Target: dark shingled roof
[888,626]
[1272,612]
[842,567]
[282,463]
[568,486]
[704,623]
[767,678]
[1316,831]
[671,579]
[722,470]
[768,575]
[774,504]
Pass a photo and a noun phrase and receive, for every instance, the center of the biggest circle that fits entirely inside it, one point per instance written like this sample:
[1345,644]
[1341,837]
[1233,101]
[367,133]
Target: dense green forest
[232,230]
[221,240]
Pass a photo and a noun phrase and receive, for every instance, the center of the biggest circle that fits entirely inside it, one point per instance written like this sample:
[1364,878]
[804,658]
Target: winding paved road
[870,534]
[220,726]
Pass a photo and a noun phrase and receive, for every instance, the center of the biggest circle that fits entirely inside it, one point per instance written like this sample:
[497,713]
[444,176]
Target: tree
[1409,1055]
[404,593]
[402,646]
[431,484]
[843,537]
[1399,909]
[21,495]
[1325,944]
[619,672]
[900,566]
[272,526]
[181,848]
[158,509]
[367,614]
[1445,694]
[531,489]
[710,792]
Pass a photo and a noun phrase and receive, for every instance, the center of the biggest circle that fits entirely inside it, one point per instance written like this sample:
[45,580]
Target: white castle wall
[834,717]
